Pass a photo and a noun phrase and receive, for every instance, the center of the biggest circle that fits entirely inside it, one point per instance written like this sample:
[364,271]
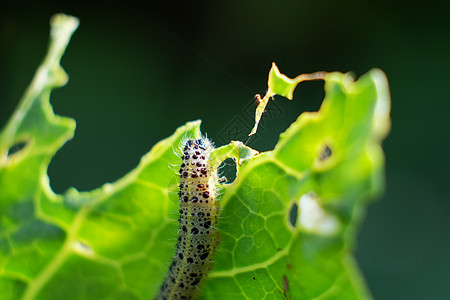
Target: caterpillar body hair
[197,237]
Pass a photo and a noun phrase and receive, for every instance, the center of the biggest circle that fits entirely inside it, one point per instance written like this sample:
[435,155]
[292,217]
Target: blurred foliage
[116,241]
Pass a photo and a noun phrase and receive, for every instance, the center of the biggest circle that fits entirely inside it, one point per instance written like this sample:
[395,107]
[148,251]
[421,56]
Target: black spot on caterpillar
[197,237]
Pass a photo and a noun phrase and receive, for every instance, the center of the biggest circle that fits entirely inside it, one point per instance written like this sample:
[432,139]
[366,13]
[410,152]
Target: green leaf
[280,84]
[327,164]
[288,222]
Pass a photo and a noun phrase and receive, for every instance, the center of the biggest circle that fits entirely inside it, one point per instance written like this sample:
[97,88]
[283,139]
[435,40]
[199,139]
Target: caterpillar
[197,236]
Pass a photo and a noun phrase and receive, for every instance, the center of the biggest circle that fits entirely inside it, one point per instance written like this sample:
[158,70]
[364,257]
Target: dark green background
[138,72]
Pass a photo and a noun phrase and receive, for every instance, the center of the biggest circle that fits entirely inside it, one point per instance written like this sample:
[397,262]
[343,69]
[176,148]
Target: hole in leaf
[325,153]
[293,213]
[227,171]
[17,147]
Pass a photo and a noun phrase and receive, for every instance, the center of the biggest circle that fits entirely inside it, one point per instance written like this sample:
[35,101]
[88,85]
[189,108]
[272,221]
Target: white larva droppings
[82,248]
[197,237]
[313,218]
